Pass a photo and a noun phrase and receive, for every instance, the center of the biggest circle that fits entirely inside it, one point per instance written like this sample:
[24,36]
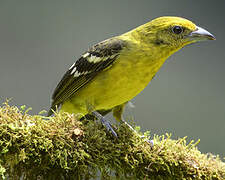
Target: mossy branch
[62,147]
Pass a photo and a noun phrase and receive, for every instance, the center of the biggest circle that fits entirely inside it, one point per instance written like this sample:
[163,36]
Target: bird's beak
[201,34]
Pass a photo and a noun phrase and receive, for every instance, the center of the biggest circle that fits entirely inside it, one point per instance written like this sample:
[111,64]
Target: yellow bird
[114,71]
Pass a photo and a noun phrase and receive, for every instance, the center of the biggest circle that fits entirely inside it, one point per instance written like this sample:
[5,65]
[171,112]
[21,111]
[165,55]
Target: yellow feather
[148,47]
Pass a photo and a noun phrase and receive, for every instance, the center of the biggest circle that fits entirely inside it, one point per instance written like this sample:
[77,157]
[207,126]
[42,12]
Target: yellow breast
[116,85]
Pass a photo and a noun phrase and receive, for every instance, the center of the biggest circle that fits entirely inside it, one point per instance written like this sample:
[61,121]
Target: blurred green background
[39,40]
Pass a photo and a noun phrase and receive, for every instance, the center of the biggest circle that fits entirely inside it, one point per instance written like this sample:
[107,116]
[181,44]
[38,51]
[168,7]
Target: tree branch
[62,147]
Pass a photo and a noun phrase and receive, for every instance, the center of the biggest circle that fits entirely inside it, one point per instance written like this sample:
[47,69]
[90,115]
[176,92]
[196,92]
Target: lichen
[62,147]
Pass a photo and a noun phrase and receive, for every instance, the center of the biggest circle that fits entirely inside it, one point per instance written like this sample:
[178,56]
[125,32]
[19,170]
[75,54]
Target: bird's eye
[177,29]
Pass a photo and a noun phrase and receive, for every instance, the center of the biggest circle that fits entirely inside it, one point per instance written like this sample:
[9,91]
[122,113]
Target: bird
[112,72]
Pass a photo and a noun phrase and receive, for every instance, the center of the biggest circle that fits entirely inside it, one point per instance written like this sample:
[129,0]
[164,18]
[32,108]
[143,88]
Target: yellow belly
[114,86]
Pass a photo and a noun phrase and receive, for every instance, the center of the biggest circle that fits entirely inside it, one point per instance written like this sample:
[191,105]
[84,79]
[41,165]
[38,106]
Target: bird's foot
[151,142]
[104,121]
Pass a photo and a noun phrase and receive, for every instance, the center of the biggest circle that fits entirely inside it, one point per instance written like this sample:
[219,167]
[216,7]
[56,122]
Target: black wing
[96,59]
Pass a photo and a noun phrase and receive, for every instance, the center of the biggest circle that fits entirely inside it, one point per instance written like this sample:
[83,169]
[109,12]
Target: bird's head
[173,32]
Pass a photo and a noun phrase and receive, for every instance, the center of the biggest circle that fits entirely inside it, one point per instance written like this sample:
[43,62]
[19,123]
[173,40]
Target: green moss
[62,147]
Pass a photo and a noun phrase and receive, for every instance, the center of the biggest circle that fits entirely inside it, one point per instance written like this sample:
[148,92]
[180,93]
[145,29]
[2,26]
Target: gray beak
[201,34]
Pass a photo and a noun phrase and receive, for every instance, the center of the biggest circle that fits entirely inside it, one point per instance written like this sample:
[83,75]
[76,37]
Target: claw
[106,123]
[151,142]
[108,126]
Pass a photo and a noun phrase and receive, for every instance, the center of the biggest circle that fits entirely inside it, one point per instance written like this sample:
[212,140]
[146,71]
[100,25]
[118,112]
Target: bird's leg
[101,117]
[104,121]
[117,113]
